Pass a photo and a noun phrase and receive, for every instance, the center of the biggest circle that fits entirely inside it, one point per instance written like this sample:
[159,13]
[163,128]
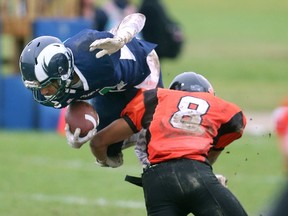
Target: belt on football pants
[138,180]
[134,180]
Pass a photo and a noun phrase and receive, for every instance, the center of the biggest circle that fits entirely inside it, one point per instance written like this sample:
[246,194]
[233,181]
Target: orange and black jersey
[183,124]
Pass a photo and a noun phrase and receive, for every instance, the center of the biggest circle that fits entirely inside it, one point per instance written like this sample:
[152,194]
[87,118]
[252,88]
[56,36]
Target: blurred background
[240,46]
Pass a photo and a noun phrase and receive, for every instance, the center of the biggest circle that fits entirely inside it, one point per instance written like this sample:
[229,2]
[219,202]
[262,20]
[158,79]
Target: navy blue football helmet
[191,82]
[45,60]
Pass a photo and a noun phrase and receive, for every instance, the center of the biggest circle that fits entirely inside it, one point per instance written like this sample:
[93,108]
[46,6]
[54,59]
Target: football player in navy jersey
[107,67]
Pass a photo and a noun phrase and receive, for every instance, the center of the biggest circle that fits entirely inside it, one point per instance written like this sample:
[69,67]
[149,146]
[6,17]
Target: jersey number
[189,114]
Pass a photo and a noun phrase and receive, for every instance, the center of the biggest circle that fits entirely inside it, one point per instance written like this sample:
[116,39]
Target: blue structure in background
[18,110]
[1,97]
[61,28]
[1,78]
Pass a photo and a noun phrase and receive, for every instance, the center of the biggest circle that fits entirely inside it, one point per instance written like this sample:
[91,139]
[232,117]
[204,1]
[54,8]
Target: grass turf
[42,175]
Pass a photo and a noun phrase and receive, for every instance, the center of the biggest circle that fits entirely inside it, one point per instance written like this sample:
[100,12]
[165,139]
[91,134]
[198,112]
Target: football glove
[112,161]
[129,27]
[74,140]
[222,179]
[108,46]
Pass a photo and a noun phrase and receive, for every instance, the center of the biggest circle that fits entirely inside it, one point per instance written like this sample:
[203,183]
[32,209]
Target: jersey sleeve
[134,112]
[230,130]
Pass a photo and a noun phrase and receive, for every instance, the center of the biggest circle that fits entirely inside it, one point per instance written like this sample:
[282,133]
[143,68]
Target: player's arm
[230,131]
[213,155]
[129,27]
[115,132]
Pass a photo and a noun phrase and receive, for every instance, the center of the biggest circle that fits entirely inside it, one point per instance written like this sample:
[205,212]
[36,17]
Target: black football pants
[182,186]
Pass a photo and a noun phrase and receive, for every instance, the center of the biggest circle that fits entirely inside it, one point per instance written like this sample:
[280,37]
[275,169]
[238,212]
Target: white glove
[74,140]
[129,27]
[108,46]
[112,161]
[222,179]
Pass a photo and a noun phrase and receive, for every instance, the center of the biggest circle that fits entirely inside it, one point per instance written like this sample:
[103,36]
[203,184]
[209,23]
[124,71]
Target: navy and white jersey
[117,72]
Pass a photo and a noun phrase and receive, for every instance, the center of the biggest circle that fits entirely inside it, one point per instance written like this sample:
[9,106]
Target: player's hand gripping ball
[81,114]
[81,123]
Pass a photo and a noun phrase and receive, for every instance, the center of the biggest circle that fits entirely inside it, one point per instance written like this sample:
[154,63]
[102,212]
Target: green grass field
[42,175]
[241,47]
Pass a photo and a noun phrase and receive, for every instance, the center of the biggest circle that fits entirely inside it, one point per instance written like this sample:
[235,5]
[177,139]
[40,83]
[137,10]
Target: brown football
[81,114]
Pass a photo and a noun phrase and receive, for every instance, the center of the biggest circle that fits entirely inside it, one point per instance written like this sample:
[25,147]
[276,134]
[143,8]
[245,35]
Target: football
[81,114]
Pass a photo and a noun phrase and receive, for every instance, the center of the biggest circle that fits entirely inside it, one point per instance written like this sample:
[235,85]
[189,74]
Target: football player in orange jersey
[183,131]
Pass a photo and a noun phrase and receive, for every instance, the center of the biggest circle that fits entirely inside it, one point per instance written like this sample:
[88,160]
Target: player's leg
[155,77]
[161,192]
[210,197]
